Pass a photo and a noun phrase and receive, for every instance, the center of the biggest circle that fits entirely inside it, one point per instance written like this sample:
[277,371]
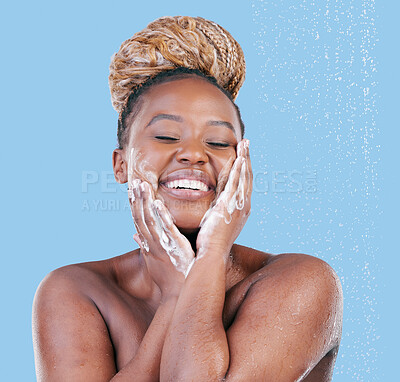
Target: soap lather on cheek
[227,201]
[139,167]
[226,205]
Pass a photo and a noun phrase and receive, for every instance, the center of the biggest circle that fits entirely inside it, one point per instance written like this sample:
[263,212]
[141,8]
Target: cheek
[223,163]
[223,168]
[140,166]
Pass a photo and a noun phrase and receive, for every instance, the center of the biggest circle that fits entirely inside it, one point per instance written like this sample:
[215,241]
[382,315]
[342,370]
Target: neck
[191,236]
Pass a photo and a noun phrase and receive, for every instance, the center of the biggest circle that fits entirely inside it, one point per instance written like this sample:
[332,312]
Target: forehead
[193,98]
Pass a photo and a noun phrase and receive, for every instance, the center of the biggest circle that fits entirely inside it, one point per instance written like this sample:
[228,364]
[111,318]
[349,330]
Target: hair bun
[170,42]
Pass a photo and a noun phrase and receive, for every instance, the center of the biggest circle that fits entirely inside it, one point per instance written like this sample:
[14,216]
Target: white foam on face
[140,170]
[182,258]
[134,185]
[228,201]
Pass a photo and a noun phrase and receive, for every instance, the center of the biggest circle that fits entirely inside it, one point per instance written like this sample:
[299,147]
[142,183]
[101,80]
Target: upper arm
[71,339]
[290,318]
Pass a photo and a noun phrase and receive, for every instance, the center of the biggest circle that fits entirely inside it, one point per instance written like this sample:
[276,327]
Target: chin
[188,222]
[189,232]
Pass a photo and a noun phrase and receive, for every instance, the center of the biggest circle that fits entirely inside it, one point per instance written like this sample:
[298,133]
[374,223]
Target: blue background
[319,107]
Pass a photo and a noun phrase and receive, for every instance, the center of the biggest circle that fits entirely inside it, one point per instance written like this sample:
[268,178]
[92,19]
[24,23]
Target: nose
[192,152]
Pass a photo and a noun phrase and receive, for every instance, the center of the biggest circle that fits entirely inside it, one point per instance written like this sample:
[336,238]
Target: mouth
[190,184]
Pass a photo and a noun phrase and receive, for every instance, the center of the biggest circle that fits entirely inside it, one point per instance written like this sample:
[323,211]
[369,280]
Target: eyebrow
[177,118]
[170,117]
[221,123]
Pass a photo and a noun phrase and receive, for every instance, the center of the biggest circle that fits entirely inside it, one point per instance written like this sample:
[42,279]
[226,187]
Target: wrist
[215,252]
[170,293]
[170,299]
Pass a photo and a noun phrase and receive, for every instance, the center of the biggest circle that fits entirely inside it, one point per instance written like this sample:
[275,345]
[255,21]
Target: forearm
[145,366]
[196,345]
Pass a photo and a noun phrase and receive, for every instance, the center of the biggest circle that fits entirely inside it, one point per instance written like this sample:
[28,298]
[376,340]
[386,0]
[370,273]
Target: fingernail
[143,187]
[157,203]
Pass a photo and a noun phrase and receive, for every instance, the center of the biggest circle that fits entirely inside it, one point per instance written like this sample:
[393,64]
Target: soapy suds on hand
[180,258]
[138,167]
[225,205]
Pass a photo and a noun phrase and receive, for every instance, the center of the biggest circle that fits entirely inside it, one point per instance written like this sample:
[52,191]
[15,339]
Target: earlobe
[119,166]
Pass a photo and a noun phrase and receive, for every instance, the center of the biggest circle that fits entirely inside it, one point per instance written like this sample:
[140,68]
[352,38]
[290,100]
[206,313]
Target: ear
[120,166]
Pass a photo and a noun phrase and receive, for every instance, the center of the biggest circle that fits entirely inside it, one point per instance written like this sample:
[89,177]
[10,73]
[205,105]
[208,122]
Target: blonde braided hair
[171,42]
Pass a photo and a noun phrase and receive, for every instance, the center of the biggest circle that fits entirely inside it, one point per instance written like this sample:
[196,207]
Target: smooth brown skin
[240,315]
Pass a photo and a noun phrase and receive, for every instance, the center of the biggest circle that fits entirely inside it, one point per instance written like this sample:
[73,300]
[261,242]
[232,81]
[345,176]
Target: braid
[171,42]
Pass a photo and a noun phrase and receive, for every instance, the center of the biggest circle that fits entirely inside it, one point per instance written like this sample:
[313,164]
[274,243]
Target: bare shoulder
[293,308]
[293,269]
[305,265]
[308,276]
[71,280]
[69,333]
[303,281]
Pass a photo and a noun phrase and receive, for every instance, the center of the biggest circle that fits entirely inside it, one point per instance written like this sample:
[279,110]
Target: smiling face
[184,134]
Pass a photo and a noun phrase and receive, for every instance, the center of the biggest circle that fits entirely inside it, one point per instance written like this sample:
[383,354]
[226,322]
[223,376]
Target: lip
[191,174]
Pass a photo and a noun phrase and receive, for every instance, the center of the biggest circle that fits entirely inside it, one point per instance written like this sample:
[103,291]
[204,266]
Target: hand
[223,222]
[167,253]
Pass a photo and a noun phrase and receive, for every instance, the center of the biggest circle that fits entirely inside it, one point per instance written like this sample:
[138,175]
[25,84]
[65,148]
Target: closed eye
[166,138]
[218,144]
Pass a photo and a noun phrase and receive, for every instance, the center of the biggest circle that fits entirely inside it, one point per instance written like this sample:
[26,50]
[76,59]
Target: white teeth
[187,183]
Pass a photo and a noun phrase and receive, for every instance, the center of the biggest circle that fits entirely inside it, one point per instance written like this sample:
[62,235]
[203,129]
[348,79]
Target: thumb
[138,241]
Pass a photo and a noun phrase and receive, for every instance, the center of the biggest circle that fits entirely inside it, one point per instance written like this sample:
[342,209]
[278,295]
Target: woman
[189,304]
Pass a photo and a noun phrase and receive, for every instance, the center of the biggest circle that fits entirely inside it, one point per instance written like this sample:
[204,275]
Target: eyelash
[172,139]
[218,144]
[165,138]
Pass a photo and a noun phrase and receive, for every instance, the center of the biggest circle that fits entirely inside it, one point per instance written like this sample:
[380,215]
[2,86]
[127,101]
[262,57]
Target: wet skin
[240,315]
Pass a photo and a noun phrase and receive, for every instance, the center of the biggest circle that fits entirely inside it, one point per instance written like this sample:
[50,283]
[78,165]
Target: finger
[176,245]
[223,176]
[234,176]
[138,237]
[241,147]
[171,230]
[132,190]
[138,240]
[249,181]
[149,214]
[242,186]
[132,184]
[159,226]
[227,200]
[249,171]
[138,212]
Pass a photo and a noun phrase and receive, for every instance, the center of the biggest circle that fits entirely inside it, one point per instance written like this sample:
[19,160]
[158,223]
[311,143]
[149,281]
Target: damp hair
[133,103]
